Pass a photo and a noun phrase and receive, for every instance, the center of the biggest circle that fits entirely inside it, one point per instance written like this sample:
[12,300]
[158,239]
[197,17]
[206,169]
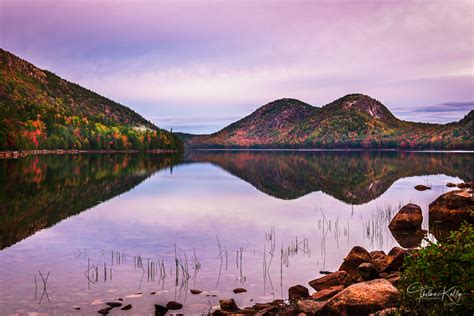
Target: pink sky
[198,65]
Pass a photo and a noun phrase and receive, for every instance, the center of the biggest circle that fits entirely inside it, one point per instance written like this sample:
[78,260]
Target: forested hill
[353,121]
[39,110]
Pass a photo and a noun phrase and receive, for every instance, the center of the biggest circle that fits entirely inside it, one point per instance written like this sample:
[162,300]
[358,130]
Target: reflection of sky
[172,60]
[189,208]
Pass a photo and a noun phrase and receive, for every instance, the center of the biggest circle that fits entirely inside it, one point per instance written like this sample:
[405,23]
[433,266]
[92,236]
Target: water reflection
[36,192]
[198,226]
[353,177]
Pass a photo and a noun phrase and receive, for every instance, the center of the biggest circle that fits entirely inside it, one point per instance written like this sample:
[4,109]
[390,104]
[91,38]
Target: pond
[81,230]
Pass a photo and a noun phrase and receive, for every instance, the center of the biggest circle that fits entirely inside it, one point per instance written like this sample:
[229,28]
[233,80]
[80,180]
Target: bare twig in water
[45,291]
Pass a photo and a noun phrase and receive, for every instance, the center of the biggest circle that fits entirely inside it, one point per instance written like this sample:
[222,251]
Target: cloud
[221,59]
[448,107]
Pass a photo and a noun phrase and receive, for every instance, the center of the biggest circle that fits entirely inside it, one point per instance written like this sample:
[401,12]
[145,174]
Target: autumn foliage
[353,121]
[39,110]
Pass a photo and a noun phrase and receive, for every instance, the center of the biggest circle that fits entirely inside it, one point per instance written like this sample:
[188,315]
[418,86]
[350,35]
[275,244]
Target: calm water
[110,226]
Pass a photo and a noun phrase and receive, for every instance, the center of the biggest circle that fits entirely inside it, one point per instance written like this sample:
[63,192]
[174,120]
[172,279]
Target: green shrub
[440,268]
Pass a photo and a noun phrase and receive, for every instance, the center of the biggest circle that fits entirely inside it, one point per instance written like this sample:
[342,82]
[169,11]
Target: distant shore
[336,149]
[23,153]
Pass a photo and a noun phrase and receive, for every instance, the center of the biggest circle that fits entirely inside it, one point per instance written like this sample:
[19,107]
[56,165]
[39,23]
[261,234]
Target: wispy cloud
[438,113]
[448,107]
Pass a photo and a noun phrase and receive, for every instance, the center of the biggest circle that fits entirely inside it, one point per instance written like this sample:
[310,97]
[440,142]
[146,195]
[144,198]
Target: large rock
[421,187]
[408,217]
[309,307]
[173,305]
[368,271]
[393,278]
[330,280]
[195,291]
[386,312]
[114,304]
[228,305]
[454,207]
[160,310]
[277,307]
[327,293]
[127,307]
[464,185]
[298,292]
[239,290]
[378,259]
[105,311]
[354,258]
[395,259]
[362,299]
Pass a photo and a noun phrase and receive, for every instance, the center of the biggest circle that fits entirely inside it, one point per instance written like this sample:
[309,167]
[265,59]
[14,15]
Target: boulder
[408,217]
[330,280]
[309,307]
[408,238]
[104,311]
[386,312]
[277,307]
[327,293]
[127,307]
[378,259]
[421,187]
[114,304]
[195,292]
[451,185]
[354,258]
[298,292]
[368,271]
[160,310]
[228,305]
[395,259]
[174,305]
[239,290]
[464,185]
[362,299]
[454,207]
[394,278]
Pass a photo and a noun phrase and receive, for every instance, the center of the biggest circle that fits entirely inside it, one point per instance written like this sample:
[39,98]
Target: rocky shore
[366,282]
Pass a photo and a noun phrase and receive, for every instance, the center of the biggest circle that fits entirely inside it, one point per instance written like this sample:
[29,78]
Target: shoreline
[334,150]
[373,283]
[23,153]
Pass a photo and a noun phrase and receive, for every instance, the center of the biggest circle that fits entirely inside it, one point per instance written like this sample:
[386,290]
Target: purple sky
[198,65]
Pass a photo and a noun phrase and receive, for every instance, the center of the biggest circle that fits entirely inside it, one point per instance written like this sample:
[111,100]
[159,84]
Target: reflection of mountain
[38,191]
[352,177]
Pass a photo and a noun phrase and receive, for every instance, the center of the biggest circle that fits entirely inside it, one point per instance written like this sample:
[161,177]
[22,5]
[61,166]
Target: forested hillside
[39,110]
[353,121]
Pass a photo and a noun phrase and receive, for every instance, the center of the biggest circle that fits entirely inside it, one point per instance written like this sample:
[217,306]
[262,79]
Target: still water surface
[112,226]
